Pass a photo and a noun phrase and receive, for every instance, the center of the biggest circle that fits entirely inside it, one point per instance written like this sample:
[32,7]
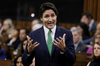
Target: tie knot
[50,31]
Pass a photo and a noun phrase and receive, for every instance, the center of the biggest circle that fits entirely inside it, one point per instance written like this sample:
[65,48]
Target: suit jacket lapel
[78,47]
[42,38]
[57,34]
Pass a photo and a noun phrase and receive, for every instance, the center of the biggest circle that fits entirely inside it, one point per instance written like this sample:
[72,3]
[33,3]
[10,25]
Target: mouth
[52,23]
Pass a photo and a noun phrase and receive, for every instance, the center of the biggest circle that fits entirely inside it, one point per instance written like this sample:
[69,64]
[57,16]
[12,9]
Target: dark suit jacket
[42,57]
[81,47]
[93,29]
[15,43]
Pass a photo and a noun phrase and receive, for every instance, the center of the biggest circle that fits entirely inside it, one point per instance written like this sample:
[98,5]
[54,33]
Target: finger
[30,43]
[36,45]
[28,37]
[55,44]
[56,41]
[61,38]
[64,36]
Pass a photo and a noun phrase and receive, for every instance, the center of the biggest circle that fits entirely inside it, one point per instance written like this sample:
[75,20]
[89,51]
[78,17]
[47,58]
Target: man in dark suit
[51,45]
[87,18]
[78,44]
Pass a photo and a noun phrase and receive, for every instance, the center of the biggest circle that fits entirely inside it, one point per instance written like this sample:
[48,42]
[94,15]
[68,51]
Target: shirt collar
[77,43]
[53,30]
[91,23]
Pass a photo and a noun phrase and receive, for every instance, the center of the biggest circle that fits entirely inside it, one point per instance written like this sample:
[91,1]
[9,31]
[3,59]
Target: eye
[52,15]
[46,16]
[94,48]
[17,62]
[98,47]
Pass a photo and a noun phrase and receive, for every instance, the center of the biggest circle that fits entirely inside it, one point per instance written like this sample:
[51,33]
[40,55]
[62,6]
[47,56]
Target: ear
[89,18]
[41,19]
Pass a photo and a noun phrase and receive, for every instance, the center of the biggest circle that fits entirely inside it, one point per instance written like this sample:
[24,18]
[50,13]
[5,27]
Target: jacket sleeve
[27,59]
[69,50]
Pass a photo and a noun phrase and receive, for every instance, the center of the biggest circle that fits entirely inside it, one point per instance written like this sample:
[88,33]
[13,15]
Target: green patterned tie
[49,42]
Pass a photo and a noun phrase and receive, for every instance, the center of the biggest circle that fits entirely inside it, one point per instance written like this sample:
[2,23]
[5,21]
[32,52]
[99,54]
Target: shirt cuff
[28,55]
[61,52]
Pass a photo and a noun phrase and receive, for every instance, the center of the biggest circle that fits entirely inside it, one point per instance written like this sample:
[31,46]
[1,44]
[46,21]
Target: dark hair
[47,6]
[15,59]
[21,51]
[85,34]
[26,30]
[87,14]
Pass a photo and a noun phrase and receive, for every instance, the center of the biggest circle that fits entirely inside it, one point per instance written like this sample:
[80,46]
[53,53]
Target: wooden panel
[14,23]
[5,38]
[82,59]
[68,26]
[95,10]
[19,24]
[5,47]
[91,6]
[85,5]
[98,11]
[24,23]
[28,25]
[5,62]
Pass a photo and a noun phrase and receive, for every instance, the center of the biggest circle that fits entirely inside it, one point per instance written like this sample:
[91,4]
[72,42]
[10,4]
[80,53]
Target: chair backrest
[82,59]
[5,62]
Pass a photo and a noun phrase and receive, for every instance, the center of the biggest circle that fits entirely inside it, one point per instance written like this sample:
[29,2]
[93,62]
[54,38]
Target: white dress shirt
[75,45]
[90,25]
[46,30]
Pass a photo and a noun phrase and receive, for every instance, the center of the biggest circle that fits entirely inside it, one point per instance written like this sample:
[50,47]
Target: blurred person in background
[14,41]
[18,61]
[36,26]
[84,31]
[96,55]
[88,41]
[87,18]
[78,44]
[22,47]
[33,62]
[36,21]
[0,24]
[96,39]
[7,27]
[22,35]
[2,51]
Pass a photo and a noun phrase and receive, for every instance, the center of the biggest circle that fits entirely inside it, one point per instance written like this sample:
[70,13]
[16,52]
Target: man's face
[97,38]
[22,34]
[76,36]
[49,18]
[85,20]
[98,27]
[34,22]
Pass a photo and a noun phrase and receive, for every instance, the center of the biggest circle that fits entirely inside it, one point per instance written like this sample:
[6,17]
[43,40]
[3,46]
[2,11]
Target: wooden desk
[5,62]
[82,59]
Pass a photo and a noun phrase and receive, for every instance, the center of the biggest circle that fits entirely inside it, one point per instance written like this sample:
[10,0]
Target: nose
[20,64]
[50,18]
